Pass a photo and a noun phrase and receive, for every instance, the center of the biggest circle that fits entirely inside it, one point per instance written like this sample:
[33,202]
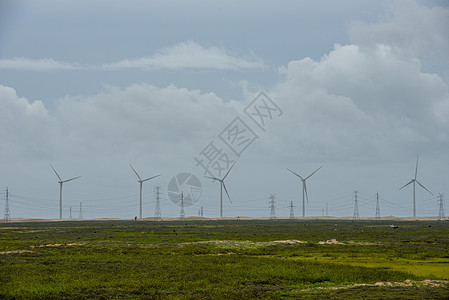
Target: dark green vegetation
[224,259]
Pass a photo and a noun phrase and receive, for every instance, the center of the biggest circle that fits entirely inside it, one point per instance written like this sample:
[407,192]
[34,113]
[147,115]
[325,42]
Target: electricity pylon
[377,207]
[272,207]
[292,212]
[157,211]
[7,212]
[356,207]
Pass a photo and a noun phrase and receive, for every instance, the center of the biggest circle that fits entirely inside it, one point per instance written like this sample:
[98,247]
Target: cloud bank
[188,55]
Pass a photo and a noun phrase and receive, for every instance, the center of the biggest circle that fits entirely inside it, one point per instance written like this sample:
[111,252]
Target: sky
[190,89]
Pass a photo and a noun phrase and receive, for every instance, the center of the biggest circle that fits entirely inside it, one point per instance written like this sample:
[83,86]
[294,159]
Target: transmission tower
[441,216]
[292,213]
[356,207]
[157,211]
[377,207]
[182,214]
[272,207]
[81,212]
[70,215]
[327,211]
[7,212]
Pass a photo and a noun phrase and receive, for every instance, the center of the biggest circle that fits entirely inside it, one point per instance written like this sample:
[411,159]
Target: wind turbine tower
[222,186]
[182,214]
[141,181]
[304,189]
[377,207]
[61,182]
[414,181]
[441,216]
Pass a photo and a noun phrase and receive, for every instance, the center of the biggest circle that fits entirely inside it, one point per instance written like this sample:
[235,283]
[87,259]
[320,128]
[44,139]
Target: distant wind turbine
[141,181]
[60,189]
[304,189]
[222,185]
[414,180]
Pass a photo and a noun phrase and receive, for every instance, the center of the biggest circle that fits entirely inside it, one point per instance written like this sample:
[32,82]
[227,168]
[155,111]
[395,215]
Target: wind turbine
[414,180]
[222,185]
[141,181]
[60,189]
[304,189]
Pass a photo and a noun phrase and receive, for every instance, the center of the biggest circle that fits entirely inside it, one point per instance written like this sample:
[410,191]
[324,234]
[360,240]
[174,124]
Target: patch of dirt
[331,241]
[406,283]
[15,251]
[245,244]
[58,245]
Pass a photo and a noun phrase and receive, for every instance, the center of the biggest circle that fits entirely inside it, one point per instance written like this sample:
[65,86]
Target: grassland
[224,259]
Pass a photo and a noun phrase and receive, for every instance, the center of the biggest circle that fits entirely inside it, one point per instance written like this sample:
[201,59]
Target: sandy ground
[389,218]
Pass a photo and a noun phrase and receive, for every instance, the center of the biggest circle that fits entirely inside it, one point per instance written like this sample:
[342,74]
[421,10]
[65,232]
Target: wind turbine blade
[212,178]
[305,190]
[424,187]
[313,173]
[149,178]
[229,170]
[71,179]
[407,184]
[56,172]
[135,172]
[416,170]
[224,186]
[296,174]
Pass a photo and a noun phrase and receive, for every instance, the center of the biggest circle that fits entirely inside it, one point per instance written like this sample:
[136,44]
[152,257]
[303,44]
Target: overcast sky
[360,87]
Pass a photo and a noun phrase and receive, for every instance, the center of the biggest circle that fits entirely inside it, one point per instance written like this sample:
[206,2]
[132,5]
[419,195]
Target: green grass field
[224,260]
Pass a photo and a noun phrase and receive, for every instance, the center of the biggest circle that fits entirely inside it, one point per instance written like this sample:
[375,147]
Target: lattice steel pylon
[292,212]
[157,210]
[7,212]
[377,207]
[81,212]
[272,207]
[356,207]
[441,216]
